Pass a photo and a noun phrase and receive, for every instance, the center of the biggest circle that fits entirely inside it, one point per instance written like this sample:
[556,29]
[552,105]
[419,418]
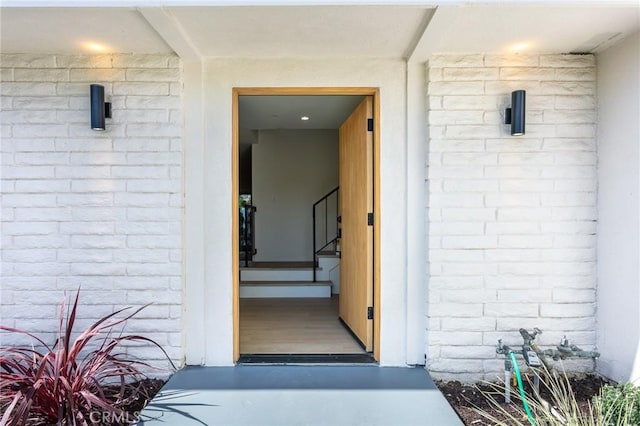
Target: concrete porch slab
[261,395]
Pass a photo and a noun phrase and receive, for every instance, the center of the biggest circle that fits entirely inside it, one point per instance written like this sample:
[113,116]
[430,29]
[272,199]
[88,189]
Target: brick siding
[96,210]
[512,220]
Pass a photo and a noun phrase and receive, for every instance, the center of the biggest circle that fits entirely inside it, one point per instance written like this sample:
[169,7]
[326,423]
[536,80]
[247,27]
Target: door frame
[235,187]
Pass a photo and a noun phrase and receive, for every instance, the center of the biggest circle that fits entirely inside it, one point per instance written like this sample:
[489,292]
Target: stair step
[282,264]
[264,289]
[276,274]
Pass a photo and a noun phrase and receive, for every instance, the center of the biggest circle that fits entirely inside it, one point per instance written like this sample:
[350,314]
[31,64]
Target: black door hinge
[370,312]
[370,124]
[370,219]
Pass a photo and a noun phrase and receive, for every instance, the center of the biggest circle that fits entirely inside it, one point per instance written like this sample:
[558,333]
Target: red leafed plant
[72,381]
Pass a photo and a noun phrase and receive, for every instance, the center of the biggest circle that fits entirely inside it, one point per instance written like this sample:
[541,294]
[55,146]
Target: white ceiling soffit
[525,29]
[316,31]
[77,30]
[165,3]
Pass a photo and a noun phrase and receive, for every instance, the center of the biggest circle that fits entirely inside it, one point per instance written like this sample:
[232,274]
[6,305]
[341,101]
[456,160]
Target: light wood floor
[293,326]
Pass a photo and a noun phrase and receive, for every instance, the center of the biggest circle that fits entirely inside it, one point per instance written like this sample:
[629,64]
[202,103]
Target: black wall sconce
[515,114]
[99,108]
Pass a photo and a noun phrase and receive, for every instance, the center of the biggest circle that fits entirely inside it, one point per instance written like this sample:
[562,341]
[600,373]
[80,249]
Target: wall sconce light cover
[99,109]
[516,114]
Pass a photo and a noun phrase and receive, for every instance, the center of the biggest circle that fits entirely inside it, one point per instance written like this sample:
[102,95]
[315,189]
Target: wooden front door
[356,203]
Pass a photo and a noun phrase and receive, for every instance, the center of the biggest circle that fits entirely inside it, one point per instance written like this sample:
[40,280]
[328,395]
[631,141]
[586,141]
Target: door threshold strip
[284,359]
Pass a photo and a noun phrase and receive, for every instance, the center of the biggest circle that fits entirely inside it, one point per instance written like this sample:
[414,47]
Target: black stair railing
[247,233]
[330,236]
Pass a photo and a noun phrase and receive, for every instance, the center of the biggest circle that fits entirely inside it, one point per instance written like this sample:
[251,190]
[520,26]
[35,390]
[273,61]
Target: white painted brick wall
[511,219]
[100,210]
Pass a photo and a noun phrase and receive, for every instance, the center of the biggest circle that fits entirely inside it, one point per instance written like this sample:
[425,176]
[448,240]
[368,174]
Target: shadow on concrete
[167,402]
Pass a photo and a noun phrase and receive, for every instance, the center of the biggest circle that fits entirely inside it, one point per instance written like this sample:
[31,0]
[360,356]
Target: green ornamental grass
[620,404]
[614,406]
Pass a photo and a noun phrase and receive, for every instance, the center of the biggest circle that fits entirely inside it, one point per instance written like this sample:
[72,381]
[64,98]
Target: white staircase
[262,289]
[329,270]
[276,274]
[263,282]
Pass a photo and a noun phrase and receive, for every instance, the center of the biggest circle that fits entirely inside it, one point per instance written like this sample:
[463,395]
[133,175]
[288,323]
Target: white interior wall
[220,77]
[619,210]
[292,169]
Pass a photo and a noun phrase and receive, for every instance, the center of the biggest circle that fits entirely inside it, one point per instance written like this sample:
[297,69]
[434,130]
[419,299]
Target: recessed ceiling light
[304,118]
[520,47]
[95,47]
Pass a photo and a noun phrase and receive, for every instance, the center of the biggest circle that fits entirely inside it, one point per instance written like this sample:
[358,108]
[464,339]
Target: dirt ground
[136,402]
[465,399]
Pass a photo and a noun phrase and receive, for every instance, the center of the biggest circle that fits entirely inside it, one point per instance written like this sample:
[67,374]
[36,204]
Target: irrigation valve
[535,357]
[530,349]
[531,358]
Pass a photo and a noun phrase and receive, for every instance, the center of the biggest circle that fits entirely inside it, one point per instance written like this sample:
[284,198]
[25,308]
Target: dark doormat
[306,359]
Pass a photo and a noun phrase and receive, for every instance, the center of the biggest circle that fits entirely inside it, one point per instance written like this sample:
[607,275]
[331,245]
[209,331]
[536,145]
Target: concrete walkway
[277,395]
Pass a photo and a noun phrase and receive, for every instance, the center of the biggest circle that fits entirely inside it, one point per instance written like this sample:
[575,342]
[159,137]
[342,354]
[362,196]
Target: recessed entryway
[295,303]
